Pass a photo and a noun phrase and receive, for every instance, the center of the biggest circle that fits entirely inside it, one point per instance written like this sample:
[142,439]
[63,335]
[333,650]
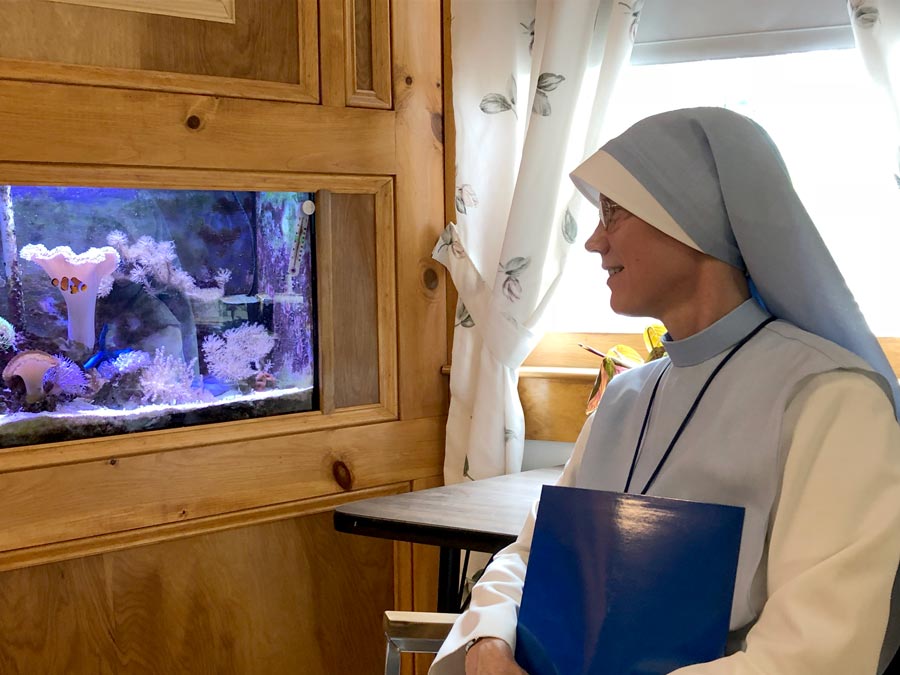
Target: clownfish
[73,285]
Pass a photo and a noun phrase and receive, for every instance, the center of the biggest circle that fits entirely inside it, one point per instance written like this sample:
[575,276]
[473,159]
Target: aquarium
[128,310]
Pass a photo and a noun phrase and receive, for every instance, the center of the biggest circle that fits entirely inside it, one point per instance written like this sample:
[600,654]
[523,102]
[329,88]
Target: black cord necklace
[690,413]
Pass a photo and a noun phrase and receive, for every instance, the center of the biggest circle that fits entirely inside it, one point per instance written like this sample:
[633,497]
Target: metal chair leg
[392,659]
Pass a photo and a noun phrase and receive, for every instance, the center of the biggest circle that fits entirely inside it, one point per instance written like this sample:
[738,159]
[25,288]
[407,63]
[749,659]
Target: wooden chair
[417,632]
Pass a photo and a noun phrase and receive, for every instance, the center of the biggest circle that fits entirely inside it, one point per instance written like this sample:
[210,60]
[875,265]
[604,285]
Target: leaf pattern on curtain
[546,83]
[529,31]
[569,227]
[877,35]
[449,240]
[864,14]
[552,43]
[492,104]
[635,8]
[463,318]
[512,286]
[466,198]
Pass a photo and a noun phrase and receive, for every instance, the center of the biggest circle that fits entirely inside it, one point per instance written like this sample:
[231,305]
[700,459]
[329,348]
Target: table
[483,515]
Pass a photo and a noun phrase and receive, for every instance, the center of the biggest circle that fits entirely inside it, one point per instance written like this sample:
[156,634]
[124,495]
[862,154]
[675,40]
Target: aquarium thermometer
[306,210]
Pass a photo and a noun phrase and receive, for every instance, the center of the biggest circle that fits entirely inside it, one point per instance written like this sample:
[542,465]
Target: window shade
[693,30]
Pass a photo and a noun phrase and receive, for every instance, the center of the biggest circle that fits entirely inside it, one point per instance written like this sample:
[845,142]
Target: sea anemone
[7,335]
[66,378]
[168,379]
[127,362]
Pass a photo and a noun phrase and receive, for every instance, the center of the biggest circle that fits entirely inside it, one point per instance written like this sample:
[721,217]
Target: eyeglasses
[611,213]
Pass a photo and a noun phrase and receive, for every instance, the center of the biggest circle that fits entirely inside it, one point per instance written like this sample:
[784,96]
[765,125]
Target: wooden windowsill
[566,374]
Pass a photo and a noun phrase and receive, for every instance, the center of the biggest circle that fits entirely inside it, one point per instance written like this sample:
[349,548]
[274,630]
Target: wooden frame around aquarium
[328,417]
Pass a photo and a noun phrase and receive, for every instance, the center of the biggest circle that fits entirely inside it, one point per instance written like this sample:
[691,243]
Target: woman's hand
[492,656]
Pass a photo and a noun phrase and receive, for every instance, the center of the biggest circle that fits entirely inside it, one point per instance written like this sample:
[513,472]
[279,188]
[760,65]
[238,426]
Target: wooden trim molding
[208,85]
[117,541]
[421,281]
[308,47]
[386,288]
[205,10]
[54,504]
[368,53]
[58,124]
[331,263]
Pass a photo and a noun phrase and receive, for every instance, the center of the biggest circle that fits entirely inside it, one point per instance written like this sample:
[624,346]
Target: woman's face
[650,273]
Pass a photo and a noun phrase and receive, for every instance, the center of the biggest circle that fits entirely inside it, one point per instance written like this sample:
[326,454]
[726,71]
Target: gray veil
[722,180]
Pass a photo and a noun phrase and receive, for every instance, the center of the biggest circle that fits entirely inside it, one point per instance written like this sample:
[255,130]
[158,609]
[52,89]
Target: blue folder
[622,584]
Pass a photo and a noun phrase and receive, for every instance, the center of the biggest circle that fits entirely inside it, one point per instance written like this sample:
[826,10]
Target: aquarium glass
[133,309]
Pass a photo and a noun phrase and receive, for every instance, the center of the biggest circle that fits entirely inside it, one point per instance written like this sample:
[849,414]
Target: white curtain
[876,29]
[531,83]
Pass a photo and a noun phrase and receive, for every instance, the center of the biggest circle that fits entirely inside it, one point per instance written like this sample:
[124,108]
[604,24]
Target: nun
[774,396]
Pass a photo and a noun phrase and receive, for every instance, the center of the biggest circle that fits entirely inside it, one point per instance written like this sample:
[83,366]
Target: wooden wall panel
[262,44]
[557,377]
[58,124]
[348,221]
[108,98]
[274,598]
[368,59]
[332,38]
[61,503]
[421,281]
[57,619]
[554,407]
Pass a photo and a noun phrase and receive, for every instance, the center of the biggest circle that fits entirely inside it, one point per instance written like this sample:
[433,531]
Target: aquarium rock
[29,366]
[77,276]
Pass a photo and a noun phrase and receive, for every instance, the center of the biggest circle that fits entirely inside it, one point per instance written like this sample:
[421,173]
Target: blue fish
[215,386]
[103,354]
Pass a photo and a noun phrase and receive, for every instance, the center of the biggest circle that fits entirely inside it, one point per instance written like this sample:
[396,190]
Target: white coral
[238,353]
[168,380]
[154,263]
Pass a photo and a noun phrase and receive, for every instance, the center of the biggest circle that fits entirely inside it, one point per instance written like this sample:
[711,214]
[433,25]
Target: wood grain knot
[408,80]
[193,122]
[437,126]
[342,475]
[430,278]
[113,461]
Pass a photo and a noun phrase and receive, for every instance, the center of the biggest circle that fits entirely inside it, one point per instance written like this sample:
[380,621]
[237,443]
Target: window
[830,125]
